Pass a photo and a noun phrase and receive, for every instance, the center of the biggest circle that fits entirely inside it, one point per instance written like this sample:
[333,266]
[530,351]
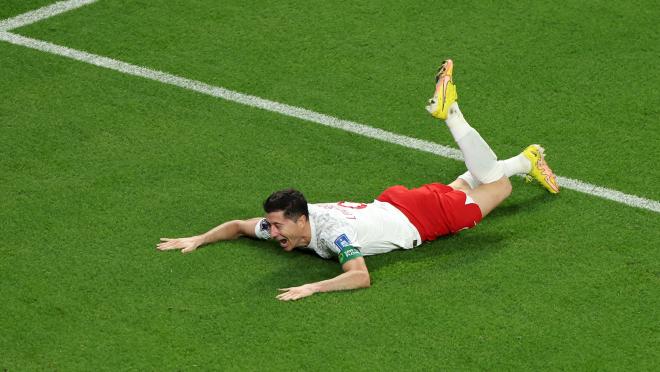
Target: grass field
[97,166]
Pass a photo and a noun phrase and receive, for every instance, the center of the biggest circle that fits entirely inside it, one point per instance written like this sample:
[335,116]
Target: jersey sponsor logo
[342,242]
[348,254]
[352,205]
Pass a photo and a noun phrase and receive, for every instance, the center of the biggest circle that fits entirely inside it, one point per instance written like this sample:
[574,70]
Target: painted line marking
[42,13]
[257,102]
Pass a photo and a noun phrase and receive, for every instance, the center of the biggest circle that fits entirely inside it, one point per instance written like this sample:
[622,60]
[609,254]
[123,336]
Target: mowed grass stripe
[301,113]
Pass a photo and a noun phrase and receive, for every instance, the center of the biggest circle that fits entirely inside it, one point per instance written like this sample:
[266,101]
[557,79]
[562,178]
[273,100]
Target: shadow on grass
[454,252]
[291,268]
[519,204]
[449,252]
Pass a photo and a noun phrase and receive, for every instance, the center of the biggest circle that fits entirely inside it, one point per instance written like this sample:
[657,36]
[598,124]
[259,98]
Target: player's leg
[490,195]
[480,160]
[530,162]
[482,164]
[462,183]
[487,195]
[518,164]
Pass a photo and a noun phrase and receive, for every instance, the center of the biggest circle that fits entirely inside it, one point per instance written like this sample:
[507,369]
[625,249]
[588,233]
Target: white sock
[518,164]
[480,160]
[469,179]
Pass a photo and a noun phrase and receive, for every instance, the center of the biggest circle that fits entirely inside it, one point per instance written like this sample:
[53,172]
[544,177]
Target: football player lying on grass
[399,218]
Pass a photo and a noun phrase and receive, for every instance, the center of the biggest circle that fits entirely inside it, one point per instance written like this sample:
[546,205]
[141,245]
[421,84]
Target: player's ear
[302,220]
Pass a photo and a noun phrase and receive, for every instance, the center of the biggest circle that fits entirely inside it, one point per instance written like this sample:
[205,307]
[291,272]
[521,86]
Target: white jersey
[372,228]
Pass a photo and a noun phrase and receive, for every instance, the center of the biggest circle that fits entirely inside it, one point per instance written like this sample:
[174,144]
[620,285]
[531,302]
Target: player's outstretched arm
[356,275]
[227,231]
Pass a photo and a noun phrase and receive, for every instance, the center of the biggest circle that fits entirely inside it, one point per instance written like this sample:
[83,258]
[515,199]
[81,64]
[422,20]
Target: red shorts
[434,209]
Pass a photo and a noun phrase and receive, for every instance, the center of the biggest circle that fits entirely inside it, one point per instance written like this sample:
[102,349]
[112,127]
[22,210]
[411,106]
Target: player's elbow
[358,273]
[365,279]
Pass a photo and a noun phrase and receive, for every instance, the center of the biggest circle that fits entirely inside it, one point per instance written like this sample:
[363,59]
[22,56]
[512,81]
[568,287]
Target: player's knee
[460,184]
[505,187]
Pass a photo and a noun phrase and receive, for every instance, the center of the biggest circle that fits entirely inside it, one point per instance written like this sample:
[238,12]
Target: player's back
[378,227]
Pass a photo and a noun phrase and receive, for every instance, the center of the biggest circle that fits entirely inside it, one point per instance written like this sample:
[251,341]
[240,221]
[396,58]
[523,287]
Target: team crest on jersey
[342,242]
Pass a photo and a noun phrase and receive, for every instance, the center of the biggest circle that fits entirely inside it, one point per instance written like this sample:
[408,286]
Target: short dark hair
[291,202]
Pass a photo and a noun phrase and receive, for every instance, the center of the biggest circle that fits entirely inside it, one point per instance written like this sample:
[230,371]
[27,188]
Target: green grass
[12,8]
[584,86]
[97,166]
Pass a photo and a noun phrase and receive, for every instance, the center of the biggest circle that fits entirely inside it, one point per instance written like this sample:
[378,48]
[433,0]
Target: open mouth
[283,242]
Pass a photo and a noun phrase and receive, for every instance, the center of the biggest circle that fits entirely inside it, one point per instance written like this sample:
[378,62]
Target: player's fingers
[284,296]
[166,246]
[165,239]
[283,289]
[292,296]
[173,246]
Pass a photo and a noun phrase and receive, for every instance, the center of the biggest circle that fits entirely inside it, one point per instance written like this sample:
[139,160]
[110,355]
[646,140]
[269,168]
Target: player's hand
[186,245]
[295,293]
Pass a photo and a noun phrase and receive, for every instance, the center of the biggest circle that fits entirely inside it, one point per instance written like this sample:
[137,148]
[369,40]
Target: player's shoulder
[323,213]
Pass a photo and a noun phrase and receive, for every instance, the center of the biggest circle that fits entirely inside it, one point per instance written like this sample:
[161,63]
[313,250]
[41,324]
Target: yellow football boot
[445,91]
[540,169]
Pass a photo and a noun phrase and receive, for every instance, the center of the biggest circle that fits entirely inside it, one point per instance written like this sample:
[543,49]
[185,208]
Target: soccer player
[399,218]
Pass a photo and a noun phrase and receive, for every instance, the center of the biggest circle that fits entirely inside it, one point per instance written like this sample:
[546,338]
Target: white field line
[281,108]
[229,95]
[605,193]
[42,13]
